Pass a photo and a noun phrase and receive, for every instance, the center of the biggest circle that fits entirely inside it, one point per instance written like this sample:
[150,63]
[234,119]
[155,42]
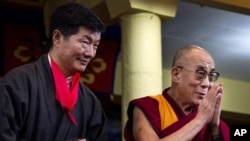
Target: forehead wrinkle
[197,60]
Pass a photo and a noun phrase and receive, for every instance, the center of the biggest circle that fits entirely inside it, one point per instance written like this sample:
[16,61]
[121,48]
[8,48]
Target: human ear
[175,74]
[56,37]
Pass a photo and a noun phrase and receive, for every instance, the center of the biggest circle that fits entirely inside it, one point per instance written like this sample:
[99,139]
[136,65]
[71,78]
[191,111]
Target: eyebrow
[91,39]
[203,68]
[88,37]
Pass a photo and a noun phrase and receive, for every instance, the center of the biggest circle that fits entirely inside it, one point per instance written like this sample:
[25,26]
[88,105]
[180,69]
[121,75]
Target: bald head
[184,53]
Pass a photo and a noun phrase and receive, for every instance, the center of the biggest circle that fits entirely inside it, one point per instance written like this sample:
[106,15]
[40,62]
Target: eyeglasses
[202,74]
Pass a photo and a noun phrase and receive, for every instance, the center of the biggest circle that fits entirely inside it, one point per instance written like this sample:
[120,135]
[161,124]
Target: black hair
[69,17]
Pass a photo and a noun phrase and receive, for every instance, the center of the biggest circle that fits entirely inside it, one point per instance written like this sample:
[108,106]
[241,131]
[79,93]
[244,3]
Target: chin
[81,68]
[197,101]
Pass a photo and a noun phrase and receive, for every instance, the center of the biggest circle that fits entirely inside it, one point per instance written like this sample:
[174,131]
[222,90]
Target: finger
[216,117]
[218,102]
[213,91]
[220,88]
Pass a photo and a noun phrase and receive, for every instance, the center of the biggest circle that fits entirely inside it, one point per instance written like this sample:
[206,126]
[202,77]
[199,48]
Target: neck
[62,68]
[177,97]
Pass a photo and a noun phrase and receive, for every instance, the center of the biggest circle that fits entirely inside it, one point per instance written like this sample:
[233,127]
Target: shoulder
[25,74]
[147,105]
[144,102]
[26,69]
[87,94]
[19,73]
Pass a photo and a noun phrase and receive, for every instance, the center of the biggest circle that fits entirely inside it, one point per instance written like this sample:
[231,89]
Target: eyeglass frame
[215,75]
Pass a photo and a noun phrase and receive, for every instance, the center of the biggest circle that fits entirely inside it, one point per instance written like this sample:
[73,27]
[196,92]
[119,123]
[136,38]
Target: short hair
[69,17]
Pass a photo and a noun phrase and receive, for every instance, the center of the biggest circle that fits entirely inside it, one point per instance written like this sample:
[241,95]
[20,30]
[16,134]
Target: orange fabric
[166,117]
[165,110]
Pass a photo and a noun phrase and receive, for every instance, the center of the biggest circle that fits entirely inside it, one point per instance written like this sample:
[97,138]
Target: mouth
[84,61]
[201,95]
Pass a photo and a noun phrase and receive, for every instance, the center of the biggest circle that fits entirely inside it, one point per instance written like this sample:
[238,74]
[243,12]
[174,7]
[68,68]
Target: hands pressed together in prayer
[210,108]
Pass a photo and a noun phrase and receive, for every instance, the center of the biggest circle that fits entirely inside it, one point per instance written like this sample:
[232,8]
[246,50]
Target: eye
[85,42]
[96,46]
[200,74]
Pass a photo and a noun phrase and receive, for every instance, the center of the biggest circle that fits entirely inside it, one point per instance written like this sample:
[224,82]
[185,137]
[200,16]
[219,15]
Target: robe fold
[29,110]
[166,117]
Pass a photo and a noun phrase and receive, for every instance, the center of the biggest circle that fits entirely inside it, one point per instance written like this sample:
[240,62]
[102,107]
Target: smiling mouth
[84,62]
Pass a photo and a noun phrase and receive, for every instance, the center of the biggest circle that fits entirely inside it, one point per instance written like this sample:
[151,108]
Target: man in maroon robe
[188,110]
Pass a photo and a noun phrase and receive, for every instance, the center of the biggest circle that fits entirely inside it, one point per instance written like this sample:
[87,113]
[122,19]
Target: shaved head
[183,54]
[187,61]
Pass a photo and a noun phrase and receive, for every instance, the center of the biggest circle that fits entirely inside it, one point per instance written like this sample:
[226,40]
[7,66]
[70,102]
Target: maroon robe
[154,116]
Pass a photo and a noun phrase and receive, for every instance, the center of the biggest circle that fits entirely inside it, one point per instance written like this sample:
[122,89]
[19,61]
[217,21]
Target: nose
[205,83]
[90,51]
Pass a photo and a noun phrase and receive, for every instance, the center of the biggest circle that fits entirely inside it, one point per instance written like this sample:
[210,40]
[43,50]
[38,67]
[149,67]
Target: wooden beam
[237,3]
[238,6]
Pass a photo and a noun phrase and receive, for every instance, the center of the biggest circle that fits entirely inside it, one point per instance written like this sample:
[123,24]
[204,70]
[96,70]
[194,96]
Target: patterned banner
[99,74]
[21,45]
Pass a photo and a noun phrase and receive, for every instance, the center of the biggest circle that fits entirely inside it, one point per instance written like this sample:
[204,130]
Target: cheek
[72,46]
[189,81]
[75,50]
[190,86]
[195,83]
[78,50]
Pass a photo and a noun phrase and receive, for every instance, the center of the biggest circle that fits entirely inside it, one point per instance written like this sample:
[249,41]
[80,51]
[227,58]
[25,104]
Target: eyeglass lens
[201,74]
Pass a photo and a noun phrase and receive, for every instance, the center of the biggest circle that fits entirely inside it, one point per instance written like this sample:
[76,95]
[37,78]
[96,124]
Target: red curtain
[99,75]
[21,45]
